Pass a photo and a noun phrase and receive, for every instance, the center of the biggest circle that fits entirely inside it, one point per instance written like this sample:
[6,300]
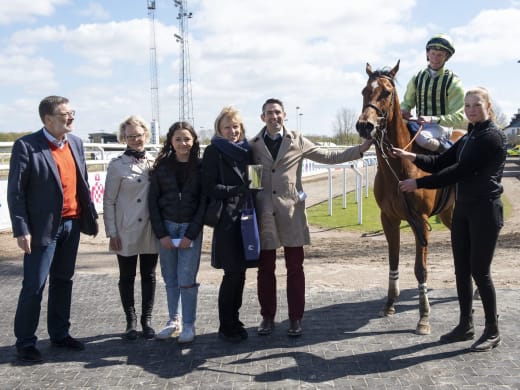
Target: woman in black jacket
[475,165]
[224,168]
[177,206]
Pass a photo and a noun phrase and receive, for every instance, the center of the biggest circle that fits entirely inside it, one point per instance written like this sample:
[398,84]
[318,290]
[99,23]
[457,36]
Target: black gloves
[244,188]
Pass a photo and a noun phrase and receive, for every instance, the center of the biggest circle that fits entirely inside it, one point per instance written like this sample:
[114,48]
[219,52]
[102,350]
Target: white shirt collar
[275,136]
[59,143]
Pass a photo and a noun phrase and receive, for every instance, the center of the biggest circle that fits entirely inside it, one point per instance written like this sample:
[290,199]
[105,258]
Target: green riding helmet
[441,42]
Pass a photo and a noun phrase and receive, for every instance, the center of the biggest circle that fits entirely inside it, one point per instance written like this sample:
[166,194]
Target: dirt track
[339,259]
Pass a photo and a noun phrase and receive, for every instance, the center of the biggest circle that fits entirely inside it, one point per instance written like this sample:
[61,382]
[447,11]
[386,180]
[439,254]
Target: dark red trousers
[295,282]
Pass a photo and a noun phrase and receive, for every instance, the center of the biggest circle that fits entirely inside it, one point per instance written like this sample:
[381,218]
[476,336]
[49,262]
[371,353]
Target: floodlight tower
[154,88]
[185,97]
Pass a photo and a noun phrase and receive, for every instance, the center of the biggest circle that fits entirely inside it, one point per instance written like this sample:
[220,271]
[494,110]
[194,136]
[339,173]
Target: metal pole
[344,187]
[359,198]
[330,190]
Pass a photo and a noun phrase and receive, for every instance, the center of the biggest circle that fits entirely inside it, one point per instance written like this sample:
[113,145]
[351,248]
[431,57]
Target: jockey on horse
[438,97]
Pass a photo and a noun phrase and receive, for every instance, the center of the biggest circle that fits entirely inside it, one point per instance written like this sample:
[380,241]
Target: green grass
[347,219]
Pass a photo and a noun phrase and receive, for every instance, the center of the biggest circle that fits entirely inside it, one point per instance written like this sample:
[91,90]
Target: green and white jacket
[441,96]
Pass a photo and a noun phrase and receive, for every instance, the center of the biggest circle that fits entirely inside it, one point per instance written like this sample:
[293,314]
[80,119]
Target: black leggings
[128,264]
[474,236]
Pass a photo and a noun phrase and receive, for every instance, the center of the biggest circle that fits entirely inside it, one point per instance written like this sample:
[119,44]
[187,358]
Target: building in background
[512,131]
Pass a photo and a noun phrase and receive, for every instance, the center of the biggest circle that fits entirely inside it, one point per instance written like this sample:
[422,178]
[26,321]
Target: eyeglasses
[64,114]
[134,137]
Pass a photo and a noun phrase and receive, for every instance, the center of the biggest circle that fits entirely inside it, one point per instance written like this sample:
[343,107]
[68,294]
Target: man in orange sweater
[49,204]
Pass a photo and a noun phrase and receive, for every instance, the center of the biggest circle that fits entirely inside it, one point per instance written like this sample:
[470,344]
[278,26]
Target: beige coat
[125,205]
[281,214]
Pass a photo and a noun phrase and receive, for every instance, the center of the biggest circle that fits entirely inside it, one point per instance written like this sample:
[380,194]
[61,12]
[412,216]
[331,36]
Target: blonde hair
[133,120]
[484,94]
[233,114]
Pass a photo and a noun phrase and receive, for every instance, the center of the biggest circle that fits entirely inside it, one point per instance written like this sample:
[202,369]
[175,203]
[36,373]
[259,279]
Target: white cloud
[490,38]
[94,71]
[300,52]
[95,11]
[102,44]
[311,54]
[27,10]
[34,74]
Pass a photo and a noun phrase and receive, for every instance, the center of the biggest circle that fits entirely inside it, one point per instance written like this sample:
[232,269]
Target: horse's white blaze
[374,84]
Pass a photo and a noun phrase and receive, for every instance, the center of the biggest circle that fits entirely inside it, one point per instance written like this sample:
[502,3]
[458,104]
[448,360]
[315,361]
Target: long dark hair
[167,152]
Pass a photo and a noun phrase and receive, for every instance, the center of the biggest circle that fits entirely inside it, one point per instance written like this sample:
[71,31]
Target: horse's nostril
[364,128]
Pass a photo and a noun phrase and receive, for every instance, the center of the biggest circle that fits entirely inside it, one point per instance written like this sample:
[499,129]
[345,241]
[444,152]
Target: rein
[380,135]
[414,137]
[383,144]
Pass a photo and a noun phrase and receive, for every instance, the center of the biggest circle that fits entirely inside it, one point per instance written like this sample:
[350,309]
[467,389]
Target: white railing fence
[99,155]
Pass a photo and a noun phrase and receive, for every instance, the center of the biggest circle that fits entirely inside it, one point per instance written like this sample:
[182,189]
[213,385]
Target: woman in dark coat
[475,164]
[224,168]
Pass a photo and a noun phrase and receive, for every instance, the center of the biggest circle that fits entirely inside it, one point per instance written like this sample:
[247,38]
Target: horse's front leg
[421,273]
[393,236]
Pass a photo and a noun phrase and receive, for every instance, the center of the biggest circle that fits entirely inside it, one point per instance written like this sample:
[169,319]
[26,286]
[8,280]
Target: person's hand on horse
[397,152]
[427,119]
[408,185]
[406,115]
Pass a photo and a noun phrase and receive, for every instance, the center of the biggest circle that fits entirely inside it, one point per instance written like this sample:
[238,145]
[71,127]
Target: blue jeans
[179,268]
[57,260]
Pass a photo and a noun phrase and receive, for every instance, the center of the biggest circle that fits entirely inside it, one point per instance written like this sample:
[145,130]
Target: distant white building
[512,131]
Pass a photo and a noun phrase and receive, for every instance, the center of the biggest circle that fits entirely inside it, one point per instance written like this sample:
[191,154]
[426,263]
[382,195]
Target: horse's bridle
[380,135]
[382,142]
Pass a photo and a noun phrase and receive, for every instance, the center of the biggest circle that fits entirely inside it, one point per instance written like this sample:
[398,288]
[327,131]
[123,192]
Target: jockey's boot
[462,332]
[431,144]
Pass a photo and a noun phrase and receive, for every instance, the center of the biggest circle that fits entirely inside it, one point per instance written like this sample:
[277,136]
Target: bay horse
[382,121]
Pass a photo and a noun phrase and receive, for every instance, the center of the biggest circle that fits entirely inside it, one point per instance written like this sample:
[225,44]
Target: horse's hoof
[387,312]
[423,329]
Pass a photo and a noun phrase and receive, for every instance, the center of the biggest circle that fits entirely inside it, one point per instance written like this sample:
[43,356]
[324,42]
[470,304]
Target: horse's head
[379,96]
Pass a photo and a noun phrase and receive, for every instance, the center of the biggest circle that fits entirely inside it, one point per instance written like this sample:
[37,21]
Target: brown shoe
[295,329]
[266,327]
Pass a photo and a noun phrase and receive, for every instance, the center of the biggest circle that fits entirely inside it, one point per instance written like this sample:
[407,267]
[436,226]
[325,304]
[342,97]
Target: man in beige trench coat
[281,209]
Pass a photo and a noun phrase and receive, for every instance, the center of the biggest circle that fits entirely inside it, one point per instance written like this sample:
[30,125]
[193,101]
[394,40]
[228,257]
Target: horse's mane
[384,72]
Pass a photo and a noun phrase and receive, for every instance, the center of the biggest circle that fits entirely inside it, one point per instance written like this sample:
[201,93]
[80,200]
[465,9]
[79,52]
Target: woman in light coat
[127,223]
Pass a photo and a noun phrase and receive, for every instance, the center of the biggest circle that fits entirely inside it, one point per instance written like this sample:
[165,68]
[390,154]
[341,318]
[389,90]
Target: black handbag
[214,206]
[213,212]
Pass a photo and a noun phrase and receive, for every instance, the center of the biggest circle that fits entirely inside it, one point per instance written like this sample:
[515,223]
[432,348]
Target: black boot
[148,295]
[239,325]
[131,325]
[126,291]
[462,332]
[229,333]
[489,339]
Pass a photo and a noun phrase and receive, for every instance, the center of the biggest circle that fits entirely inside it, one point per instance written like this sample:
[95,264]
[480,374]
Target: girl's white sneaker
[172,326]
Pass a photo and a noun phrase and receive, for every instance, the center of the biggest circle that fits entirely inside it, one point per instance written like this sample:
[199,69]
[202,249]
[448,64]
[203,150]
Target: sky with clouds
[308,53]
